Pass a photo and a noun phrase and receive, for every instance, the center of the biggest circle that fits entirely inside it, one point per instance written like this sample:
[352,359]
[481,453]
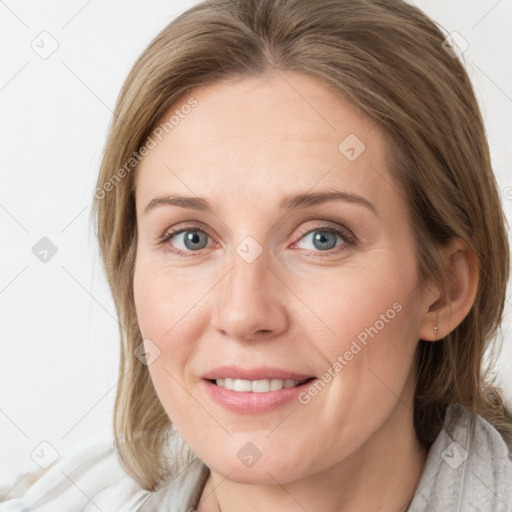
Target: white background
[58,327]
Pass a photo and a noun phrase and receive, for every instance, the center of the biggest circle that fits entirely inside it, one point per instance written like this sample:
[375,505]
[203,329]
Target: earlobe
[461,282]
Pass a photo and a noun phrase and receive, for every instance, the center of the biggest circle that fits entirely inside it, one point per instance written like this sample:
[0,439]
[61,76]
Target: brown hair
[387,58]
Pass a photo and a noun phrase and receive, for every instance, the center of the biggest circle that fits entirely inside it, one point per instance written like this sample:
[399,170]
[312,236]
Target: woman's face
[267,279]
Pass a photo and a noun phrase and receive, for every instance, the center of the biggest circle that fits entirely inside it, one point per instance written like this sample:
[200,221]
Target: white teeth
[242,385]
[260,386]
[276,384]
[257,386]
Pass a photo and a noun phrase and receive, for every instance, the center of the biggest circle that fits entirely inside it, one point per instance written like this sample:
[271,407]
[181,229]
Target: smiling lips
[255,390]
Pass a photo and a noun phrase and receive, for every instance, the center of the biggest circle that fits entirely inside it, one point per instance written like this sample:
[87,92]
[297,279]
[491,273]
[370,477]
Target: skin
[297,306]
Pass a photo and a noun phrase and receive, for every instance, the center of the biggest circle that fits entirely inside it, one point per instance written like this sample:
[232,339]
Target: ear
[461,277]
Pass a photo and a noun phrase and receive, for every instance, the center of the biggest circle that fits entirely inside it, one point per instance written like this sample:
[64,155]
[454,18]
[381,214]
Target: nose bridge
[247,302]
[250,265]
[248,277]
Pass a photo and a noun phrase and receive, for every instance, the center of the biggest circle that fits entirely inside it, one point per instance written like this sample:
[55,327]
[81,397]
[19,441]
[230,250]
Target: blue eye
[324,239]
[193,240]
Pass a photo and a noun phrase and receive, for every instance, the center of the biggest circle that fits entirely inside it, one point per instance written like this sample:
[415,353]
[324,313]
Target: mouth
[257,390]
[258,386]
[258,395]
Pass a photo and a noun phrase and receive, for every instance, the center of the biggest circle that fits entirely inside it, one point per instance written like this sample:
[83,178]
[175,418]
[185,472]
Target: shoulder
[88,477]
[91,478]
[469,466]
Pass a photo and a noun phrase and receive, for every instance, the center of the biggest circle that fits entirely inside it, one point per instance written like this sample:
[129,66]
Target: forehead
[259,135]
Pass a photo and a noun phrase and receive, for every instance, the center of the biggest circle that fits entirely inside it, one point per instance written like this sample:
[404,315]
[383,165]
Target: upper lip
[262,373]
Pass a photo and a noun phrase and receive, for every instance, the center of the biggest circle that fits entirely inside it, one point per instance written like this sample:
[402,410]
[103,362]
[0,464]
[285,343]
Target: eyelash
[349,239]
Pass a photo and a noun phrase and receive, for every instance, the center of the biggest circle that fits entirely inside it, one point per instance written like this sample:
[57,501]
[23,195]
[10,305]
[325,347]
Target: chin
[265,471]
[267,474]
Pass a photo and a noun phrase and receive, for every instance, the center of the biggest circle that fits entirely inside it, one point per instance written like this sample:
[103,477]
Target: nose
[250,301]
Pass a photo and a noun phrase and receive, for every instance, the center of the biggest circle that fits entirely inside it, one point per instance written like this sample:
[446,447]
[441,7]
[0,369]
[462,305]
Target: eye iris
[194,237]
[321,236]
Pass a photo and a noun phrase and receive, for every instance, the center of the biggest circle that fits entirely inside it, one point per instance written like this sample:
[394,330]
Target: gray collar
[469,468]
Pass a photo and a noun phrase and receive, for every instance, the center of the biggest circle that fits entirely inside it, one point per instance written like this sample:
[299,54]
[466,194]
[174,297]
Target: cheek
[369,335]
[370,322]
[372,302]
[165,317]
[163,301]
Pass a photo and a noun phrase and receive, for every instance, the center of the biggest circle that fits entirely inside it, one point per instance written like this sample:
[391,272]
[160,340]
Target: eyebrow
[302,200]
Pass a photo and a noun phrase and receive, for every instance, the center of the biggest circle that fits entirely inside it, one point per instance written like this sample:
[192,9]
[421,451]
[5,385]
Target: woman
[322,347]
